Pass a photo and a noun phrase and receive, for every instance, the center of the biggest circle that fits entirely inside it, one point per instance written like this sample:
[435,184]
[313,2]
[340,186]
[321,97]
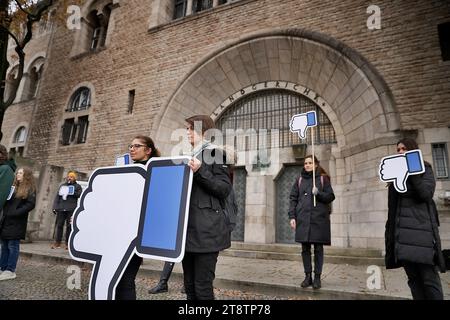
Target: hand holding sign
[398,167]
[301,122]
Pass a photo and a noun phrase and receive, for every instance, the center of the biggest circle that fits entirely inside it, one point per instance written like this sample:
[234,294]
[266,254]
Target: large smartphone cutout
[165,209]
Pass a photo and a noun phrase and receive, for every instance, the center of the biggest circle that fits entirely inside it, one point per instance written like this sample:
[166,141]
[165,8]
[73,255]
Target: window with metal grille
[273,109]
[81,100]
[82,127]
[21,135]
[68,131]
[439,152]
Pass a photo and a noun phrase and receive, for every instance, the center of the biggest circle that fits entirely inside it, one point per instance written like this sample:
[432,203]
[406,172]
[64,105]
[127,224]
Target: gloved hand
[315,191]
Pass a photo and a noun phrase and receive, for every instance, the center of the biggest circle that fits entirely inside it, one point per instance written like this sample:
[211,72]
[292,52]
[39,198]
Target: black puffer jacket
[13,222]
[313,223]
[71,202]
[207,229]
[412,233]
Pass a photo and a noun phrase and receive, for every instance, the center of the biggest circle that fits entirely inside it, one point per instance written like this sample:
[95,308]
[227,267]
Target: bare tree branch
[20,45]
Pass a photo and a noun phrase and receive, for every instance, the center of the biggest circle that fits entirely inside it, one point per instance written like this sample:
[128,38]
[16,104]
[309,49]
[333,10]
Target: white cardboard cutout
[397,168]
[105,224]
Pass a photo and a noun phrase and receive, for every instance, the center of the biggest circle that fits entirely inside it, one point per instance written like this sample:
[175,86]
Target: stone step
[353,256]
[296,248]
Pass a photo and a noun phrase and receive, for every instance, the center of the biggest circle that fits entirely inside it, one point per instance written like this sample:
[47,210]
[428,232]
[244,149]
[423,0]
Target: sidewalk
[276,277]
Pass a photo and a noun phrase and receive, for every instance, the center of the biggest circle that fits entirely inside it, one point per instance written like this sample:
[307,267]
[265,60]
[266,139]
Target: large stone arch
[362,108]
[356,99]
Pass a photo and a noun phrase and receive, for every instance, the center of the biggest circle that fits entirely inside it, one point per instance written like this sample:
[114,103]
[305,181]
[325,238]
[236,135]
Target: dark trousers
[199,273]
[126,288]
[318,258]
[61,218]
[166,272]
[424,281]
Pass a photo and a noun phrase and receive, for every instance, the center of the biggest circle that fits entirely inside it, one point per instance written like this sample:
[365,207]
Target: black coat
[313,223]
[412,233]
[70,204]
[13,222]
[207,229]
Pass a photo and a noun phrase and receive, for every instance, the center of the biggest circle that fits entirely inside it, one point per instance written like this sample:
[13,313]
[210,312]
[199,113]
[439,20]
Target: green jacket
[6,180]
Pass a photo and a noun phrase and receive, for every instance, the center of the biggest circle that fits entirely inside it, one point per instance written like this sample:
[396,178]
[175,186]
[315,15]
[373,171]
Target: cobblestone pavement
[48,280]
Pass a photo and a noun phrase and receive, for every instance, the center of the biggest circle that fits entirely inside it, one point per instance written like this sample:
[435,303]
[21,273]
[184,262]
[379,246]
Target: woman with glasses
[412,236]
[142,148]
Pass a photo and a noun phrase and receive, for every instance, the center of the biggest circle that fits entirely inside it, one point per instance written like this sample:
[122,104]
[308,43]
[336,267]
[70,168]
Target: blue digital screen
[163,208]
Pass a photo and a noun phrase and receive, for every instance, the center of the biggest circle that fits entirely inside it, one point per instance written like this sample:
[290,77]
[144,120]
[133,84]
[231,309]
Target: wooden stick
[314,164]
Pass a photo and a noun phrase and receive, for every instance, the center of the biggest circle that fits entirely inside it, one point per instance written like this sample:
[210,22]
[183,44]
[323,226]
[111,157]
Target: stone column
[259,209]
[49,179]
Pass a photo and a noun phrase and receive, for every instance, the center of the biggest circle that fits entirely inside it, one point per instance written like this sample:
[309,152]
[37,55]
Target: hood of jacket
[12,164]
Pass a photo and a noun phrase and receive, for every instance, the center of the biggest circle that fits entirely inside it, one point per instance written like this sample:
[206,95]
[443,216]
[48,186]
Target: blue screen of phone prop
[163,206]
[71,191]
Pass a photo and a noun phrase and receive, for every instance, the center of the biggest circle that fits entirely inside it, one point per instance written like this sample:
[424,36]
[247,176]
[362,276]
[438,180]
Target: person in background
[311,223]
[7,169]
[13,222]
[64,205]
[412,236]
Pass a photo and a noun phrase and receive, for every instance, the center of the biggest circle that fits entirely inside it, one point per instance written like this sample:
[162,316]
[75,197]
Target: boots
[159,288]
[308,281]
[165,275]
[317,284]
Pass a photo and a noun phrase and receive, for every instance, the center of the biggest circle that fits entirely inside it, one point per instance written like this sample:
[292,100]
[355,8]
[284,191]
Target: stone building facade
[134,66]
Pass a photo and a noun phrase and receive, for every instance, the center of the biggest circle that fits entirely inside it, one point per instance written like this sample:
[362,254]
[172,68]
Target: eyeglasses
[135,146]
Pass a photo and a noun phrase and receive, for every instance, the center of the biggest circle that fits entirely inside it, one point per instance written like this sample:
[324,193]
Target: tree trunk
[4,21]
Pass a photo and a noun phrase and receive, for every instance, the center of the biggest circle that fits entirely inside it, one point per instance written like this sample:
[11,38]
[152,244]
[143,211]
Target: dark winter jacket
[7,169]
[313,223]
[207,229]
[72,200]
[13,221]
[412,233]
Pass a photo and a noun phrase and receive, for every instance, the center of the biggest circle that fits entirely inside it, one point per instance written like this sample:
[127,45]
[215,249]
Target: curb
[242,285]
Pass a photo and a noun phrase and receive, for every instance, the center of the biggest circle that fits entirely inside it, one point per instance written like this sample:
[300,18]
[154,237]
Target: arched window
[33,78]
[273,109]
[92,33]
[10,79]
[20,135]
[98,21]
[81,100]
[75,127]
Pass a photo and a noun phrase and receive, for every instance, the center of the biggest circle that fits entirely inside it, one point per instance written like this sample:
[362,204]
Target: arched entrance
[342,83]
